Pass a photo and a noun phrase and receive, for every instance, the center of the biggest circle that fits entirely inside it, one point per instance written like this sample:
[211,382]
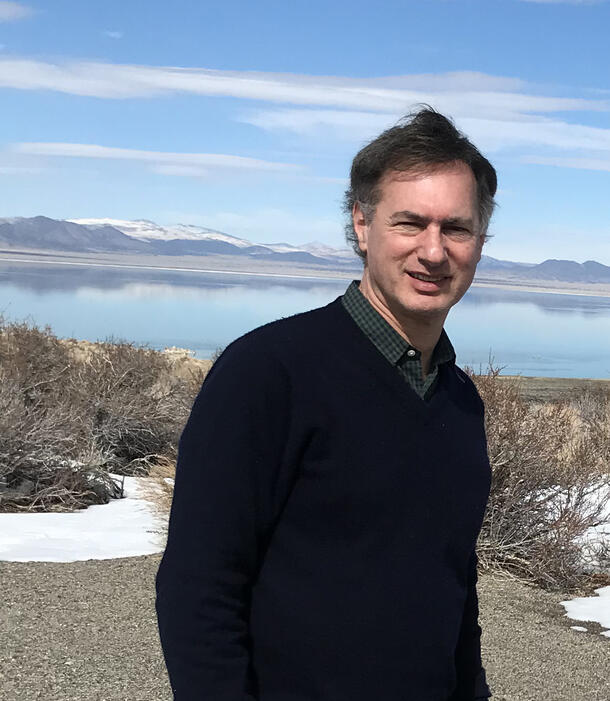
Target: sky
[244,116]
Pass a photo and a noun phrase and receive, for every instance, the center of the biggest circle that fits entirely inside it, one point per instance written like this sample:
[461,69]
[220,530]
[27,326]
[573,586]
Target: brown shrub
[71,412]
[548,461]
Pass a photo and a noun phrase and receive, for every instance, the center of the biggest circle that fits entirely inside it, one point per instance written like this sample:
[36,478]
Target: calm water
[529,334]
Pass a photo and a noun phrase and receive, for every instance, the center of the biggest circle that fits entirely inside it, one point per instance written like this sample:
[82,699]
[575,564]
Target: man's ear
[360,226]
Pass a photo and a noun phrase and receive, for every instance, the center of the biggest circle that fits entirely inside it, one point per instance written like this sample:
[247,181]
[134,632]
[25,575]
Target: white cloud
[580,163]
[495,135]
[10,11]
[113,34]
[489,134]
[458,93]
[344,123]
[173,163]
[497,112]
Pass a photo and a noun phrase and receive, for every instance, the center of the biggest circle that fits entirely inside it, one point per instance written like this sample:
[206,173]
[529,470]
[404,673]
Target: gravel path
[87,631]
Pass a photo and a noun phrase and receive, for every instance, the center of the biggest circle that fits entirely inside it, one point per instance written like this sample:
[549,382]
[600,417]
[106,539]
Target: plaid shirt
[405,358]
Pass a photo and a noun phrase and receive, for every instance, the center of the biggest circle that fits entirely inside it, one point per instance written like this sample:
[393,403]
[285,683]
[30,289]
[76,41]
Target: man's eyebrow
[460,221]
[466,222]
[406,214]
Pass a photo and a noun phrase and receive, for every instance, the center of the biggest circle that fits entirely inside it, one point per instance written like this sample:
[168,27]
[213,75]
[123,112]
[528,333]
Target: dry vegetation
[73,412]
[551,478]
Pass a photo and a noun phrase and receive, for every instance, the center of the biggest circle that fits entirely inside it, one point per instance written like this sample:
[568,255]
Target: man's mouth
[428,278]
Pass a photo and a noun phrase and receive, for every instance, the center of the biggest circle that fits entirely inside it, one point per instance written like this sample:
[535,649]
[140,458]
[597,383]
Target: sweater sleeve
[471,682]
[227,483]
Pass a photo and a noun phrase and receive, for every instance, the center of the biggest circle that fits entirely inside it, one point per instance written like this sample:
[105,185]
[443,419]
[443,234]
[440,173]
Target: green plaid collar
[398,352]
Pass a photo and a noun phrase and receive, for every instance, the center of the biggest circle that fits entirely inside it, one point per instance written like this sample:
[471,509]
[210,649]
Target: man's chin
[429,308]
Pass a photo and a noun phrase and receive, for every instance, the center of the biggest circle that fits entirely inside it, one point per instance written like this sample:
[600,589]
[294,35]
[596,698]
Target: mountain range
[147,238]
[142,237]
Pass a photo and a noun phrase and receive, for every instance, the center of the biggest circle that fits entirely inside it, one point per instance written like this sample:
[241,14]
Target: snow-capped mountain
[146,237]
[146,230]
[316,249]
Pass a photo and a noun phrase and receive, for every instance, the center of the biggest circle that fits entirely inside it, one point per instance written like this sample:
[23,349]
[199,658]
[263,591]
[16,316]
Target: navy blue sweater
[322,533]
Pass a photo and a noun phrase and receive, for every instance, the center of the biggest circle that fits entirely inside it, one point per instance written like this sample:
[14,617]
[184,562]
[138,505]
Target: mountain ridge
[148,238]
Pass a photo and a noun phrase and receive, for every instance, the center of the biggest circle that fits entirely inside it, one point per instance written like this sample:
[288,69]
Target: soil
[87,631]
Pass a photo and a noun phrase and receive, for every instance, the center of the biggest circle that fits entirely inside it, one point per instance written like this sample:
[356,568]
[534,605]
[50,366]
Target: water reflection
[42,279]
[548,302]
[527,333]
[70,278]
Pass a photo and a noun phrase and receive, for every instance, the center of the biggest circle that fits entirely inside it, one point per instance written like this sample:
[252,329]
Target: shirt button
[411,353]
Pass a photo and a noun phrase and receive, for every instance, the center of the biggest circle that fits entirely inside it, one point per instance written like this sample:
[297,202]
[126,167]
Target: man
[333,475]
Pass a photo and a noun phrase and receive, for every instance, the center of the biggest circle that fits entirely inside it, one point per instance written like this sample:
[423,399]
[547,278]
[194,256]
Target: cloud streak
[499,113]
[462,92]
[164,162]
[12,11]
[491,134]
[580,163]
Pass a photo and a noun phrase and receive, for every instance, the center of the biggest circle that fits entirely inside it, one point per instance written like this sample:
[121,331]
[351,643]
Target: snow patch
[122,528]
[591,608]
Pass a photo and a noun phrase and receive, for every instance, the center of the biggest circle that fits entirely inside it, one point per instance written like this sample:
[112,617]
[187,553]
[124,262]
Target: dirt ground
[86,631]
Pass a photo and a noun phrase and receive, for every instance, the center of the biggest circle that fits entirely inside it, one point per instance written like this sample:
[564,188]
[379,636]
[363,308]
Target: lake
[544,334]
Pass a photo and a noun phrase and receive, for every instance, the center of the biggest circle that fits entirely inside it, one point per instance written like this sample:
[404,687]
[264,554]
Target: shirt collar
[387,340]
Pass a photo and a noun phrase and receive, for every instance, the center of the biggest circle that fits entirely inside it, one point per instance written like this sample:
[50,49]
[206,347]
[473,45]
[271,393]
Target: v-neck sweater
[323,526]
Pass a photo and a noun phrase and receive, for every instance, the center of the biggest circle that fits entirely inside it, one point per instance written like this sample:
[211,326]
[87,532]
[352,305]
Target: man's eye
[457,231]
[408,225]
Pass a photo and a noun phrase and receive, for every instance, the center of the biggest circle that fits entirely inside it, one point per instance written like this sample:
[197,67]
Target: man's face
[423,244]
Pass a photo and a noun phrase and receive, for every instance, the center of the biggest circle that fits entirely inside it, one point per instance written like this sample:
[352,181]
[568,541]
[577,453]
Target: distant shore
[230,265]
[544,389]
[546,287]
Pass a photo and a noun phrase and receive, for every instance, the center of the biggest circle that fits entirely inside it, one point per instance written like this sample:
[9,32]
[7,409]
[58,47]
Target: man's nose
[432,248]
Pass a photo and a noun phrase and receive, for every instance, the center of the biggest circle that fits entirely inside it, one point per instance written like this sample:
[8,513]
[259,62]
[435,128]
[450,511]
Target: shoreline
[545,389]
[134,266]
[222,265]
[518,286]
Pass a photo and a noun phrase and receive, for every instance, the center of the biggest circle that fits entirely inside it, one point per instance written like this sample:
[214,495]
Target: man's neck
[419,330]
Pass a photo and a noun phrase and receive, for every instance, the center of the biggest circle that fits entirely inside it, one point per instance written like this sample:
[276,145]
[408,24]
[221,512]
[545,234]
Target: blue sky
[244,116]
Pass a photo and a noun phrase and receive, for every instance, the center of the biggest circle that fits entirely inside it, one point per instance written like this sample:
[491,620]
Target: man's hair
[421,142]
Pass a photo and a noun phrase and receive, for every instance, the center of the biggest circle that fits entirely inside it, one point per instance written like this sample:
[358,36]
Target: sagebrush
[550,480]
[71,413]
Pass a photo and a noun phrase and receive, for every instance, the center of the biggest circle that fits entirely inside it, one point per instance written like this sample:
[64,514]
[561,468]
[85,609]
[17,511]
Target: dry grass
[162,474]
